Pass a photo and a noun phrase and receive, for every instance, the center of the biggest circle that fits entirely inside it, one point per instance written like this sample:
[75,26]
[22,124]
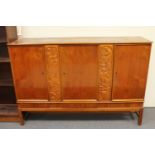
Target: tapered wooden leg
[21,118]
[140,117]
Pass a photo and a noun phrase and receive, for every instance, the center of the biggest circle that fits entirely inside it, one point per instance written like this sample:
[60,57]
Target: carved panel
[53,68]
[105,71]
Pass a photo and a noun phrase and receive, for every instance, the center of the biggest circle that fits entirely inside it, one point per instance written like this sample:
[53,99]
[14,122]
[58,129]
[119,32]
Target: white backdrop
[147,32]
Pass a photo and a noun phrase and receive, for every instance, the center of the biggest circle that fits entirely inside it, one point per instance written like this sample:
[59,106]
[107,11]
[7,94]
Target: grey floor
[85,121]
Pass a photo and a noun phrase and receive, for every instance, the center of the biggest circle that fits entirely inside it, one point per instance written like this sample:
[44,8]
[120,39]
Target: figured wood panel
[130,72]
[105,72]
[78,71]
[53,72]
[28,65]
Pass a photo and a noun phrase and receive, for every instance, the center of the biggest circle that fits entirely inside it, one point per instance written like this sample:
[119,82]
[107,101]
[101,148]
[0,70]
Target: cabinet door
[78,72]
[130,72]
[28,67]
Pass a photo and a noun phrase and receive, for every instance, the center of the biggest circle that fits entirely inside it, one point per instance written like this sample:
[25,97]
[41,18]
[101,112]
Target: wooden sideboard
[94,74]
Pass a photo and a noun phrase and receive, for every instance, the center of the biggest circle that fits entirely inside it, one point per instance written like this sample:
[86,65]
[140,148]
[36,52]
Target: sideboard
[80,74]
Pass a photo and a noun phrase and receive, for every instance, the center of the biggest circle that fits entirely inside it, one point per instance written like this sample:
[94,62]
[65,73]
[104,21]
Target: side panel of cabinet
[130,72]
[28,66]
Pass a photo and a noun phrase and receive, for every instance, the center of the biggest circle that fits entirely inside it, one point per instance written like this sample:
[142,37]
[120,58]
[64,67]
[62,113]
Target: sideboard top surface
[78,40]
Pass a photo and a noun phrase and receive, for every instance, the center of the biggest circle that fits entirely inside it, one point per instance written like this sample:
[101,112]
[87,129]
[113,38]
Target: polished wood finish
[130,71]
[80,40]
[75,75]
[21,117]
[102,107]
[140,117]
[105,72]
[28,65]
[53,72]
[80,74]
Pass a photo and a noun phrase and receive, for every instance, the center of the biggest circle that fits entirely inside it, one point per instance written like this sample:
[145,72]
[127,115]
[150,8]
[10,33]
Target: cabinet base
[140,113]
[81,108]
